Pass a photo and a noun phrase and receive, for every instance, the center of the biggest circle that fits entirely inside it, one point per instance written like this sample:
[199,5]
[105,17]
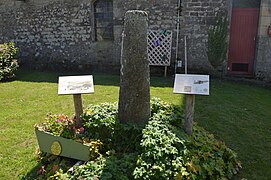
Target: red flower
[42,170]
[54,168]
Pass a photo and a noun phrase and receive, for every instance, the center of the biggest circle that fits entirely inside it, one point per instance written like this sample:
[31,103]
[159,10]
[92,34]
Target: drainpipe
[185,54]
[177,40]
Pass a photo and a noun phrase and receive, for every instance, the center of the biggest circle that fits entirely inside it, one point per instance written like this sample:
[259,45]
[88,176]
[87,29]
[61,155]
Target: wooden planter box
[61,146]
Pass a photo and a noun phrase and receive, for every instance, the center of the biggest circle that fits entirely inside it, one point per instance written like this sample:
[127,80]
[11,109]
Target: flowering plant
[8,64]
[62,125]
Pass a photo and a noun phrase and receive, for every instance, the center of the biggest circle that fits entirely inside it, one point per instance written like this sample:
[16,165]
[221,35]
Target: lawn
[236,113]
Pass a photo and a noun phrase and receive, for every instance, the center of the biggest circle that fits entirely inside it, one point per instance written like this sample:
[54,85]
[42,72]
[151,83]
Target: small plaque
[56,148]
[187,88]
[75,84]
[191,84]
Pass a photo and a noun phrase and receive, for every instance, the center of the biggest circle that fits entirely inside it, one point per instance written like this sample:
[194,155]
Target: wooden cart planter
[60,146]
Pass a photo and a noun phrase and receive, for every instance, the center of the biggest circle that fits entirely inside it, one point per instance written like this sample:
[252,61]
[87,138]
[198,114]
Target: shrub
[89,170]
[209,158]
[8,65]
[217,42]
[161,150]
[100,121]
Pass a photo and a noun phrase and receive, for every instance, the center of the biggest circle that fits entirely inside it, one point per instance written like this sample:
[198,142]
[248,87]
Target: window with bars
[103,20]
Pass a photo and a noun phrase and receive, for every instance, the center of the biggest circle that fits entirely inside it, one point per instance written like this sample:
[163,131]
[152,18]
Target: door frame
[228,71]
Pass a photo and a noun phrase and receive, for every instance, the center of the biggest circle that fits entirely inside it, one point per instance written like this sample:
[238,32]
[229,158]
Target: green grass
[241,116]
[238,114]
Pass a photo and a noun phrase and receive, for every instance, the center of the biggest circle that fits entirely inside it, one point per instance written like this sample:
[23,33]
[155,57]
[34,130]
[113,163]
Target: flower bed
[60,146]
[160,150]
[60,136]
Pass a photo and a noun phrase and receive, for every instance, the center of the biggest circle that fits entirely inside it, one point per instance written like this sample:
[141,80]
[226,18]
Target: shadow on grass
[33,173]
[99,79]
[52,77]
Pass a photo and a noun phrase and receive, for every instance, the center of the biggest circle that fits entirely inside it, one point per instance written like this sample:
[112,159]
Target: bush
[161,150]
[217,42]
[163,153]
[209,158]
[99,121]
[8,65]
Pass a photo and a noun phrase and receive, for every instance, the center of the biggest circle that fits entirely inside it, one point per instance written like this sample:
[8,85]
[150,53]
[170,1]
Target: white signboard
[75,84]
[191,84]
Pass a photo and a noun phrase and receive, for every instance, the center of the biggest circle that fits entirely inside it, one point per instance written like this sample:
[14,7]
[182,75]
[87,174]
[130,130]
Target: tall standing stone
[134,99]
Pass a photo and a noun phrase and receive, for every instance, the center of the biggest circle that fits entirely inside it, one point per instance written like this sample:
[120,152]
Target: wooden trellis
[159,47]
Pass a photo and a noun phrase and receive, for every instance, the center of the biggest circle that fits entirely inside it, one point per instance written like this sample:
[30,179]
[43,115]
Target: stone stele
[134,99]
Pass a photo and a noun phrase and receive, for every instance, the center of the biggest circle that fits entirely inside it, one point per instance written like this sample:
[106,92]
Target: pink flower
[58,120]
[81,130]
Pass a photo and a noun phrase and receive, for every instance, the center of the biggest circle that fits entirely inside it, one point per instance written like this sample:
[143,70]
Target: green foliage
[100,120]
[105,168]
[217,42]
[61,125]
[119,167]
[161,150]
[52,167]
[127,138]
[170,153]
[8,65]
[210,158]
[158,105]
[91,170]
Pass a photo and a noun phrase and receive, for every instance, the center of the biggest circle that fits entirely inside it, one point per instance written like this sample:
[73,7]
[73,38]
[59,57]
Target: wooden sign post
[76,85]
[189,113]
[190,85]
[78,106]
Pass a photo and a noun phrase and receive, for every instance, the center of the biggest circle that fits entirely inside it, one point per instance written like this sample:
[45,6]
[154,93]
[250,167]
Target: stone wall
[197,18]
[263,57]
[53,34]
[59,33]
[162,16]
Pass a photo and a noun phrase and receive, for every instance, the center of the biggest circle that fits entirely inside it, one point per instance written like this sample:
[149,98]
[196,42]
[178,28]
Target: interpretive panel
[191,84]
[75,84]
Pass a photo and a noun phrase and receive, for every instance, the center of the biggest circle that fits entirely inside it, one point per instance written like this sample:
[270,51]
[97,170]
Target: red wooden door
[243,33]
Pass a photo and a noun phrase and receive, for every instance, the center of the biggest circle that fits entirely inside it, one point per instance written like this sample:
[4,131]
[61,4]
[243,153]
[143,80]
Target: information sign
[75,84]
[191,84]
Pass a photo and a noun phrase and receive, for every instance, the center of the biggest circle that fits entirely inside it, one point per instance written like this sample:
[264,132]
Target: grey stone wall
[53,34]
[59,33]
[198,16]
[162,16]
[263,57]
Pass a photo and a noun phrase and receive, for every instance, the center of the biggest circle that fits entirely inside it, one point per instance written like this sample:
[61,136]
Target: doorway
[243,34]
